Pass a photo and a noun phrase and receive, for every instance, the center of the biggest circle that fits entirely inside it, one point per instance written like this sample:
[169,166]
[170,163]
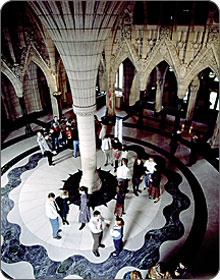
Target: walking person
[45,149]
[123,175]
[119,206]
[96,225]
[52,213]
[107,149]
[138,175]
[149,170]
[84,214]
[102,131]
[62,202]
[124,153]
[117,235]
[154,188]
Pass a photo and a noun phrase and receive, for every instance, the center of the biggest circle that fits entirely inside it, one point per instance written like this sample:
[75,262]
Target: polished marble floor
[185,216]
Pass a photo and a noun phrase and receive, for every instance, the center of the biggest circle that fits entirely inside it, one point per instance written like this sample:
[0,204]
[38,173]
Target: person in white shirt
[123,175]
[102,131]
[107,149]
[96,227]
[124,153]
[52,213]
[149,170]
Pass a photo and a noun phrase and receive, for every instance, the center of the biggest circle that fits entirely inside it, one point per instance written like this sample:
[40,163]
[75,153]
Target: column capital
[84,111]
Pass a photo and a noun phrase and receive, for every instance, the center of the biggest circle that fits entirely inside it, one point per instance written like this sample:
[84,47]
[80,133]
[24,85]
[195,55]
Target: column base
[93,185]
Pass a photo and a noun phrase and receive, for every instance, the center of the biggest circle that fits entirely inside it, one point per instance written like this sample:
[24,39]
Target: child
[117,235]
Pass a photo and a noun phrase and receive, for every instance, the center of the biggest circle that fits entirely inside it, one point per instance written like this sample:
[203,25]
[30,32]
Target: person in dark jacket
[175,139]
[62,202]
[195,147]
[138,175]
[75,137]
[84,214]
[119,206]
[154,189]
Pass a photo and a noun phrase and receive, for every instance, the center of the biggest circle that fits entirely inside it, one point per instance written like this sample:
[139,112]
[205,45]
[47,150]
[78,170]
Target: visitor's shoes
[139,191]
[123,213]
[102,245]
[114,254]
[67,222]
[82,226]
[59,230]
[96,253]
[51,164]
[155,201]
[115,170]
[136,193]
[105,164]
[58,237]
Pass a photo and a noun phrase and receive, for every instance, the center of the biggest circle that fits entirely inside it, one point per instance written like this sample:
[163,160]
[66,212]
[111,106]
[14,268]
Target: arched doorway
[124,79]
[162,79]
[36,91]
[44,91]
[207,101]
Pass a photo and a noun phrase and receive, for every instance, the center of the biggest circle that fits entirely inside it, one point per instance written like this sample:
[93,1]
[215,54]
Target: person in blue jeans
[52,213]
[117,235]
[76,145]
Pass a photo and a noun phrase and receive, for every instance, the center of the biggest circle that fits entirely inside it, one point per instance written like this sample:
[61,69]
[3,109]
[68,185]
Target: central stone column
[86,130]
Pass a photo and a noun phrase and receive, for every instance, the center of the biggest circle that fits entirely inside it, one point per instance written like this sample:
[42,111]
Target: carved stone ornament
[183,70]
[163,49]
[84,111]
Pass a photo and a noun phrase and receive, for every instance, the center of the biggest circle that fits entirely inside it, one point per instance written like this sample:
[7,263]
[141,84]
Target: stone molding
[84,111]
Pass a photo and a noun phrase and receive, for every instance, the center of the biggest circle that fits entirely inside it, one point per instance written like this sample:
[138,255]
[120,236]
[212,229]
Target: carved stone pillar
[87,139]
[158,103]
[28,130]
[194,87]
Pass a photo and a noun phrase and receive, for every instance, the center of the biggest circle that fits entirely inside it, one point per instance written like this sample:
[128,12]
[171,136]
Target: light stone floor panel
[36,229]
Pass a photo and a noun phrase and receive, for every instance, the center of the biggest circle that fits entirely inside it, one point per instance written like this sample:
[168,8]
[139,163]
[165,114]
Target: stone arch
[156,59]
[16,83]
[51,79]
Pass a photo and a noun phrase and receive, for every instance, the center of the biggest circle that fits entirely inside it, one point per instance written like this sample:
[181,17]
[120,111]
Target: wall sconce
[190,129]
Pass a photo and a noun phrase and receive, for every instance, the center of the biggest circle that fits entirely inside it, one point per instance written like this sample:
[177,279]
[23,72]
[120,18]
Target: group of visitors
[59,206]
[60,133]
[159,271]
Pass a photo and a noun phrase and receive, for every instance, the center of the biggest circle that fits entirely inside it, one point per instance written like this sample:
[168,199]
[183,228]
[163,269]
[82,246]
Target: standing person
[69,139]
[102,131]
[195,146]
[84,214]
[123,175]
[119,206]
[76,145]
[62,202]
[56,135]
[96,228]
[149,170]
[54,121]
[107,149]
[124,153]
[63,132]
[154,189]
[52,213]
[116,152]
[175,138]
[45,149]
[117,235]
[138,175]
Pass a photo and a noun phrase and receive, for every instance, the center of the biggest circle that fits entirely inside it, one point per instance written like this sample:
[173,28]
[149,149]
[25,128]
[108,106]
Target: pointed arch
[16,83]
